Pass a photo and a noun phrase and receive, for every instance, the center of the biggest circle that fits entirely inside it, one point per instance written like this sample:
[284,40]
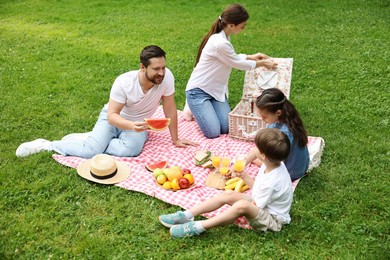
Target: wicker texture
[243,120]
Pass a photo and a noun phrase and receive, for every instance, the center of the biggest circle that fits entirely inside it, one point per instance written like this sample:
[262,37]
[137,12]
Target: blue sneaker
[184,230]
[174,219]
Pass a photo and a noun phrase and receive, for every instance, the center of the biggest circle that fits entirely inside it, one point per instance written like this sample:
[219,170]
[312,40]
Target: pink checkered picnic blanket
[159,147]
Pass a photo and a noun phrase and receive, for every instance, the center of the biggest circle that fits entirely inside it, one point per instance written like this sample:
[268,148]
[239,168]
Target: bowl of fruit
[174,178]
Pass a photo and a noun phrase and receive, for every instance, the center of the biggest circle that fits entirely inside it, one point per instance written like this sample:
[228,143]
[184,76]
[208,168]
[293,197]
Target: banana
[239,185]
[244,188]
[231,186]
[236,179]
[236,184]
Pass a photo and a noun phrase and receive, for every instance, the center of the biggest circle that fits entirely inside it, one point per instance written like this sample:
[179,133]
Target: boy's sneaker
[174,219]
[184,230]
[29,148]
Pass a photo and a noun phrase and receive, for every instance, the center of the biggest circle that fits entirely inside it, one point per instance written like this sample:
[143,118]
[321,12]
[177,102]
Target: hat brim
[123,172]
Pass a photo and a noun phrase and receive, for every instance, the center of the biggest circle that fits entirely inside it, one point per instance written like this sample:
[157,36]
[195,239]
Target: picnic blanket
[159,147]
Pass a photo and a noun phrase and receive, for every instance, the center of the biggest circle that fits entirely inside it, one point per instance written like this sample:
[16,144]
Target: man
[120,129]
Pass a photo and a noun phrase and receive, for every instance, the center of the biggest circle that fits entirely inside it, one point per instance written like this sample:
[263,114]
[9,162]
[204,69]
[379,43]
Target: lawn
[58,62]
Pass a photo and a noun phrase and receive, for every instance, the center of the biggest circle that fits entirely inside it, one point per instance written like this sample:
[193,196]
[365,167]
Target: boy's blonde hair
[273,143]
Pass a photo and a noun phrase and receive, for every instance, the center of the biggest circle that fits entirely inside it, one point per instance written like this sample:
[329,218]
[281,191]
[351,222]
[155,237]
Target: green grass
[58,62]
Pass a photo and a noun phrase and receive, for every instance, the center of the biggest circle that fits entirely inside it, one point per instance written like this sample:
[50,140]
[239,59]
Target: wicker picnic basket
[243,120]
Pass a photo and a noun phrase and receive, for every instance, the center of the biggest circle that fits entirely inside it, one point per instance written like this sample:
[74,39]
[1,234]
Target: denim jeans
[210,114]
[104,138]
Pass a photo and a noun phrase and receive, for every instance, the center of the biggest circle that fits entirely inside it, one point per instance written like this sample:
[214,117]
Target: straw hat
[103,169]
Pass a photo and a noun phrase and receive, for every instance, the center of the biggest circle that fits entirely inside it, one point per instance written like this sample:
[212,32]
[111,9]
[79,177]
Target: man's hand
[140,126]
[184,143]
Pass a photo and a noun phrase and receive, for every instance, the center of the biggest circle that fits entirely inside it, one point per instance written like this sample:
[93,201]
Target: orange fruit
[167,185]
[161,179]
[189,177]
[175,184]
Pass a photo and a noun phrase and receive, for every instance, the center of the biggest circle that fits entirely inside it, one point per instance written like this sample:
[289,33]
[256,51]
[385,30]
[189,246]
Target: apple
[161,179]
[166,171]
[184,183]
[157,172]
[185,171]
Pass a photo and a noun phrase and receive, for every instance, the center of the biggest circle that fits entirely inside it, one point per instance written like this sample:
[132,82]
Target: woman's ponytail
[233,14]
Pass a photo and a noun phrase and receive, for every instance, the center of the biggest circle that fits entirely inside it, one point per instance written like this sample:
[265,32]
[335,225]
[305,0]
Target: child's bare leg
[228,197]
[238,209]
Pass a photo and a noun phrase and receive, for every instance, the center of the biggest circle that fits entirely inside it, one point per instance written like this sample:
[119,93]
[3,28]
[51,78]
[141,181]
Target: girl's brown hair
[273,100]
[233,14]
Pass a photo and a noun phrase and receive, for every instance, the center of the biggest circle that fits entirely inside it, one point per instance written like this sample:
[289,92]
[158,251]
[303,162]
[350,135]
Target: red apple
[184,183]
[185,171]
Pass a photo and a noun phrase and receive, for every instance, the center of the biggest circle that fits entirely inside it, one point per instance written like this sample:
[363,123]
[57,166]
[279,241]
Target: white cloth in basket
[267,79]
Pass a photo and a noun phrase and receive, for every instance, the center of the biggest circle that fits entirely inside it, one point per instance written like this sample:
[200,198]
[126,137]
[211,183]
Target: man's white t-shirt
[138,106]
[273,191]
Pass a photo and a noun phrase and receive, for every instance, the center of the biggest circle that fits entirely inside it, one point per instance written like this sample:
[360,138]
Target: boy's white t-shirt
[273,191]
[138,106]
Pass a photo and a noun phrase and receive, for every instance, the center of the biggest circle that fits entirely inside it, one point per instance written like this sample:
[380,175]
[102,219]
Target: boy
[267,209]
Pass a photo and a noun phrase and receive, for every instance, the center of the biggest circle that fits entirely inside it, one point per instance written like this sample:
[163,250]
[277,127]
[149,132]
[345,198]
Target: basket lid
[259,79]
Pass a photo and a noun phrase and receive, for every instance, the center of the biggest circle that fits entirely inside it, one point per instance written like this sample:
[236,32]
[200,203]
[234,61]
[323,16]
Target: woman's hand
[259,56]
[268,63]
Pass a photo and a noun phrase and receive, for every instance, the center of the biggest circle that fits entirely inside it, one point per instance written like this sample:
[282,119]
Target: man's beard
[156,79]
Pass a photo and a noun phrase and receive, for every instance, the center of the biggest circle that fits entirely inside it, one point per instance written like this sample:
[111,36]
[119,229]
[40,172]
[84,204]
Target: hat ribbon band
[105,176]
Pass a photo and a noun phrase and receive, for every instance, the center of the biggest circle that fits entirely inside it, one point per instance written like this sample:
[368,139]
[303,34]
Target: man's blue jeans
[104,138]
[210,114]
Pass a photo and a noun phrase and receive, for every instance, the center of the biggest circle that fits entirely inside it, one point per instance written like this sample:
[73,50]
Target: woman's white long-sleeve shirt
[212,72]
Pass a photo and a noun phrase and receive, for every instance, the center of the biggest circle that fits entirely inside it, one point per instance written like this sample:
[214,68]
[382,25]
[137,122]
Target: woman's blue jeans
[104,138]
[210,114]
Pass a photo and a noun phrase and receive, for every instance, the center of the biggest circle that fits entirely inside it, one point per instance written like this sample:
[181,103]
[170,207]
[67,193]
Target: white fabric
[273,191]
[261,78]
[315,151]
[138,106]
[212,72]
[267,79]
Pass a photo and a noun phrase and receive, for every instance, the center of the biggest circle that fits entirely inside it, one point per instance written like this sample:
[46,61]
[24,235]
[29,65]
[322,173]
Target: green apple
[166,171]
[157,172]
